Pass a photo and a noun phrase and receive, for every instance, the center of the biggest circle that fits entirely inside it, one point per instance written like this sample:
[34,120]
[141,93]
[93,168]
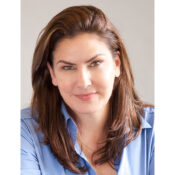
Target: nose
[83,78]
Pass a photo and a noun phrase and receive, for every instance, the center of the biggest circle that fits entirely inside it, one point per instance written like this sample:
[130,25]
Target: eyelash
[93,64]
[67,68]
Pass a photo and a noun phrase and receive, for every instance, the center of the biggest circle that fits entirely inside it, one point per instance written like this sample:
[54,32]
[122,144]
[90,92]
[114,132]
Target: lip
[86,97]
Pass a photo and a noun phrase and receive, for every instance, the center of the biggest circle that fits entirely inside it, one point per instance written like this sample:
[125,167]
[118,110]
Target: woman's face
[84,72]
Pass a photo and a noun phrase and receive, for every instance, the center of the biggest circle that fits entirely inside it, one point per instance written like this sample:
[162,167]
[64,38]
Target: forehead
[81,47]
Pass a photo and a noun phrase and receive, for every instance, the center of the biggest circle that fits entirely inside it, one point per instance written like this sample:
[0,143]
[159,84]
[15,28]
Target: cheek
[106,77]
[64,85]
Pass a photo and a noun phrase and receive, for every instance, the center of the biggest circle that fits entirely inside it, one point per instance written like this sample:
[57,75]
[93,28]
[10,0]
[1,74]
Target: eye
[68,68]
[96,63]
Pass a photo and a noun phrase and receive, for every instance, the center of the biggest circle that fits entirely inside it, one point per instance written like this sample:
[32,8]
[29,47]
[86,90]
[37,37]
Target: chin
[86,110]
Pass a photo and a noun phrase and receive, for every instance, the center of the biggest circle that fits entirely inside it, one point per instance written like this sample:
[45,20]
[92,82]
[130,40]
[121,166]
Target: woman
[85,115]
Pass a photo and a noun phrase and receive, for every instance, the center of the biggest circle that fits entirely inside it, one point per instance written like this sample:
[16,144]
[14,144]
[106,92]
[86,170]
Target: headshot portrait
[87,87]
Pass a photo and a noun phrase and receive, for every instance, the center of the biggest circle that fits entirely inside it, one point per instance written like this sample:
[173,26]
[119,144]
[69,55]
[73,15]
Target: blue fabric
[37,159]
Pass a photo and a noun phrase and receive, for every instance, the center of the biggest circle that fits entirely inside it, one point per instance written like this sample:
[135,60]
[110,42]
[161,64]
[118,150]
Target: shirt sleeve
[29,162]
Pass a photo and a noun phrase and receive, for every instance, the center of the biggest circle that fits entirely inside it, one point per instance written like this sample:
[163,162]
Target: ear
[117,64]
[52,74]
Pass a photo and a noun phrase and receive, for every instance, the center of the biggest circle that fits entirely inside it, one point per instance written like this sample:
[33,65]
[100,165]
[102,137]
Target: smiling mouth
[86,97]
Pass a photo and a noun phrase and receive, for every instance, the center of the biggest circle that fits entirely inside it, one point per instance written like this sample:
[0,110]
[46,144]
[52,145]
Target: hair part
[125,105]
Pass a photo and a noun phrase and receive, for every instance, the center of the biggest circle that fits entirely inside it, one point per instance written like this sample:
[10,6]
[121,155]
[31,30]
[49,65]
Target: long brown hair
[124,123]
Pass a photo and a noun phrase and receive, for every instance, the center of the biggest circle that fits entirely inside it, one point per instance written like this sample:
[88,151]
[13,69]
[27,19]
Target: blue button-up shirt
[37,159]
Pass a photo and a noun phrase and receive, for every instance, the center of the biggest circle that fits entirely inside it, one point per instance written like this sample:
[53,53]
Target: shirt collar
[145,124]
[65,113]
[69,123]
[148,117]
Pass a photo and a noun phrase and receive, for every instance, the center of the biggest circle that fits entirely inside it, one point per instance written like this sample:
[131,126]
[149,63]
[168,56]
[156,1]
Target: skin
[84,72]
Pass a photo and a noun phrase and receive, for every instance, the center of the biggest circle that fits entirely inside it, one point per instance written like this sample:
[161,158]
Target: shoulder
[28,124]
[148,130]
[139,154]
[36,157]
[26,113]
[148,127]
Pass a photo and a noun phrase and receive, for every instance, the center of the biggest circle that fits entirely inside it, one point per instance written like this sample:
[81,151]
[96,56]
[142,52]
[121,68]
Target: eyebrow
[66,62]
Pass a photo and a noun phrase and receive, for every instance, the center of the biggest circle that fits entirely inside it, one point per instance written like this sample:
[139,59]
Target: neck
[92,127]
